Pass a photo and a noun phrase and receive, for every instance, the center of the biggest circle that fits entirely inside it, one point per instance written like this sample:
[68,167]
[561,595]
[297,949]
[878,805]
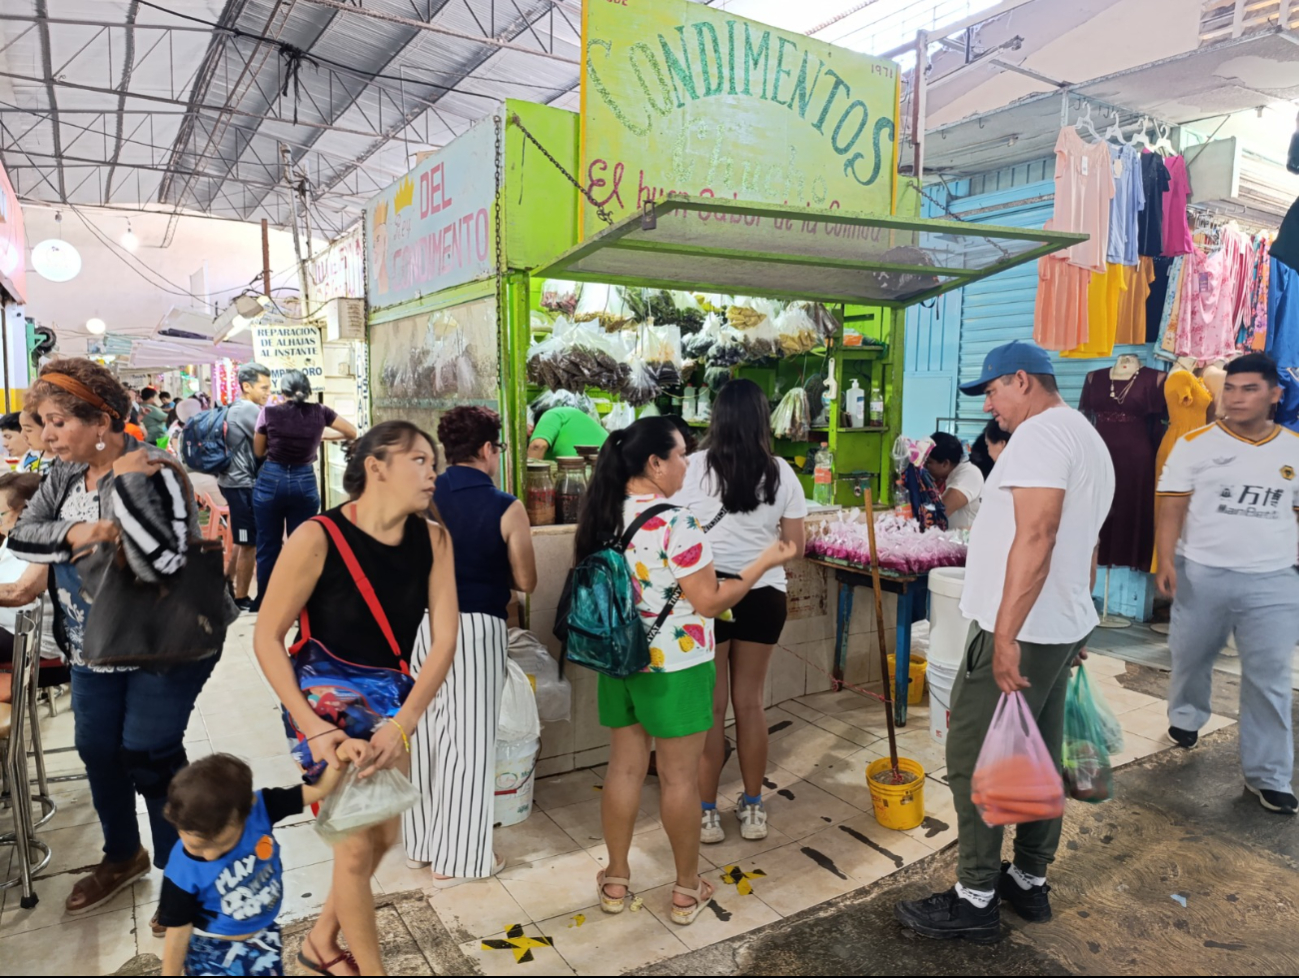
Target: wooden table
[905,587]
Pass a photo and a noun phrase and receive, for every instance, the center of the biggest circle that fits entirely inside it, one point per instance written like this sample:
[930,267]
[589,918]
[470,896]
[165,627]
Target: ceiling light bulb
[56,260]
[129,241]
[96,326]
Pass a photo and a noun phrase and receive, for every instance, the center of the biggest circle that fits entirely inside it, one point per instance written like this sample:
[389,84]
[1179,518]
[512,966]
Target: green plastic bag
[1088,775]
[1109,722]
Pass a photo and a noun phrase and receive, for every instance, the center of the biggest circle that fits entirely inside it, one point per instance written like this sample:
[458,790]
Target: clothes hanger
[1085,121]
[1115,132]
[1164,145]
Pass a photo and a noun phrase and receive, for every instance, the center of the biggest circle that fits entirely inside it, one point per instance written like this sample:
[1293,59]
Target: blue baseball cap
[1008,359]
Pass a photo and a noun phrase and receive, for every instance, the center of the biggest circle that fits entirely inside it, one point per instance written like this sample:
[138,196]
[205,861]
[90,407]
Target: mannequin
[1124,403]
[1215,377]
[1190,406]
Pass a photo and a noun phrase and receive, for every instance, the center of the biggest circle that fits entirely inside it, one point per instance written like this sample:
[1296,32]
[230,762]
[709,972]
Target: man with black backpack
[236,482]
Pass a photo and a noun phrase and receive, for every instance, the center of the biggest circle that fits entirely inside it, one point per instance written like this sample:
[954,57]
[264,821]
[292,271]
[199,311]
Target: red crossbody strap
[362,583]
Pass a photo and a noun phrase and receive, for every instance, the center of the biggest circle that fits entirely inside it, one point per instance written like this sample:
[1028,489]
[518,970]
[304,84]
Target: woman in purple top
[287,494]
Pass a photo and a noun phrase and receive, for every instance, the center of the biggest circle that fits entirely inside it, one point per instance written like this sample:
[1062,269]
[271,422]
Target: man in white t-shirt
[959,479]
[1028,583]
[1227,502]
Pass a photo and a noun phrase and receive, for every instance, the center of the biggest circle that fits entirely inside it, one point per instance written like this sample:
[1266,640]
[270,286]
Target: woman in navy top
[287,493]
[453,758]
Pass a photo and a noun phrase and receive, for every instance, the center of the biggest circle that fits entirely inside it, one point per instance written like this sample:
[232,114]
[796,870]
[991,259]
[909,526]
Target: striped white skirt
[453,753]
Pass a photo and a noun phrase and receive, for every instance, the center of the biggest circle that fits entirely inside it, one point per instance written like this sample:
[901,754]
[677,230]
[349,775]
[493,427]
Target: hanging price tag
[1085,165]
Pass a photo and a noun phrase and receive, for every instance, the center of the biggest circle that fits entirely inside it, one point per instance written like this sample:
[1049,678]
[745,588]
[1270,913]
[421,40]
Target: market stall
[472,296]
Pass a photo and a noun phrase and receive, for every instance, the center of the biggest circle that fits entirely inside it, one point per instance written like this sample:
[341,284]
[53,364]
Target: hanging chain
[599,208]
[498,220]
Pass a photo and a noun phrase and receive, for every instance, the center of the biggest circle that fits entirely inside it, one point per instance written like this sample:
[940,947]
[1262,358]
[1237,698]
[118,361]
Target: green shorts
[666,704]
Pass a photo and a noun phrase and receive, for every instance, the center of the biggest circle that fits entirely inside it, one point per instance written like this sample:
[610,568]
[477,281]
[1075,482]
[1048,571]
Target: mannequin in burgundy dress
[1125,403]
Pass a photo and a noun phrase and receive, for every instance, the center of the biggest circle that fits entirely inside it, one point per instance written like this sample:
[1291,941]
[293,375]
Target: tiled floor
[824,841]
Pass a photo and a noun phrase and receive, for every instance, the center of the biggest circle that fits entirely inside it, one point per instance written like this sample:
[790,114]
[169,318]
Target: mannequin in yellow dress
[1190,405]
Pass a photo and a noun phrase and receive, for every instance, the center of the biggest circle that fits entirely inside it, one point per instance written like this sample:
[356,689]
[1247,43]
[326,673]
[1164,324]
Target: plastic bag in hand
[1015,779]
[358,803]
[1086,761]
[554,694]
[1110,725]
[519,720]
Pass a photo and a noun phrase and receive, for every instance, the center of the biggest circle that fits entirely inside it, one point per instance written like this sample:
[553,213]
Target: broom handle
[879,626]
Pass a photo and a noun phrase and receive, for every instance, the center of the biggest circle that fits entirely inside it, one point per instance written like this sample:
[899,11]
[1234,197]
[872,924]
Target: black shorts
[759,618]
[243,527]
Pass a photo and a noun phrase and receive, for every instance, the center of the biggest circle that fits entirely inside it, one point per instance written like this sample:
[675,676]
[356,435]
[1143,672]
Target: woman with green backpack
[670,703]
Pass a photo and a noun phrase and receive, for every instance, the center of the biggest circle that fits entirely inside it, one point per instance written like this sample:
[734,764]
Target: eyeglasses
[500,446]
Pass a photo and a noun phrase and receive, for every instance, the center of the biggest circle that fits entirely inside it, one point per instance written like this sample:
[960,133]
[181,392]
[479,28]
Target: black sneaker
[1033,905]
[946,916]
[1281,802]
[245,604]
[1186,739]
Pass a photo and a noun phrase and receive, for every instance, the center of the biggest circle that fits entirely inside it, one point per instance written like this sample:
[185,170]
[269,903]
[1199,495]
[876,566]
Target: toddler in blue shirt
[224,884]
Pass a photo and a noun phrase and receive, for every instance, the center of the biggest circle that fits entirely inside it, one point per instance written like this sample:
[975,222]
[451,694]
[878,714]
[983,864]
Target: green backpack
[598,620]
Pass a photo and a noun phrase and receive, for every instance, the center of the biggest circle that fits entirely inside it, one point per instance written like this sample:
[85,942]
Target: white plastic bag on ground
[554,695]
[359,803]
[519,720]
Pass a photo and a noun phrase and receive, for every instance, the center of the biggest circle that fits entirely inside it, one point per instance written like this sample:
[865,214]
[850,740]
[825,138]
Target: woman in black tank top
[408,561]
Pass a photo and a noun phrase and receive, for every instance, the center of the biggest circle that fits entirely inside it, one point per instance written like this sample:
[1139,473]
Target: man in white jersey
[1028,583]
[1227,502]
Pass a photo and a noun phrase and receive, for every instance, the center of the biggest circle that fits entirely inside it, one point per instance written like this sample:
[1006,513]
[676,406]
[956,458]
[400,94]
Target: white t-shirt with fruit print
[668,547]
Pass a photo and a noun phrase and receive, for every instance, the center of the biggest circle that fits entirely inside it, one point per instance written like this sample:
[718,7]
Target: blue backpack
[598,620]
[203,446]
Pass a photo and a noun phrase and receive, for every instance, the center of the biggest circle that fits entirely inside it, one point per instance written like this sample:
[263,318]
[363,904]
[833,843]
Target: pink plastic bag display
[1015,779]
[902,546]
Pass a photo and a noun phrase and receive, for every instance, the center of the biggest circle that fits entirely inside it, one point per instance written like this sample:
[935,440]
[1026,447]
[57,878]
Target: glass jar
[571,489]
[539,493]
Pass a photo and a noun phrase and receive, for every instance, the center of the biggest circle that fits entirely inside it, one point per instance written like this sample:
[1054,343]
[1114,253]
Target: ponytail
[625,455]
[295,386]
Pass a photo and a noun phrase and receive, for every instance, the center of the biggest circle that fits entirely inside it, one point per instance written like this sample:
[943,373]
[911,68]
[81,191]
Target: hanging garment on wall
[1157,298]
[1060,309]
[1207,330]
[1283,337]
[1286,246]
[1253,331]
[1132,303]
[1150,222]
[1125,207]
[1084,187]
[1104,295]
[1177,232]
[1125,413]
[1239,272]
[1172,316]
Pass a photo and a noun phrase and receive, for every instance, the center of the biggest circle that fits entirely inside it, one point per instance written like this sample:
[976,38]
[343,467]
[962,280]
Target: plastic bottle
[823,476]
[877,404]
[689,405]
[854,400]
[704,405]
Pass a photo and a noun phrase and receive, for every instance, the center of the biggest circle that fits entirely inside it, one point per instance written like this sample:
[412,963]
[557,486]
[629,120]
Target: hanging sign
[432,229]
[339,271]
[281,347]
[13,242]
[679,97]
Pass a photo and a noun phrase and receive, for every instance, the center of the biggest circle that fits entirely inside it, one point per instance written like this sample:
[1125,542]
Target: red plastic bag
[1015,779]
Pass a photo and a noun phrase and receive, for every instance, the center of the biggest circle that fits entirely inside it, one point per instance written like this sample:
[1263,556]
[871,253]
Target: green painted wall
[540,202]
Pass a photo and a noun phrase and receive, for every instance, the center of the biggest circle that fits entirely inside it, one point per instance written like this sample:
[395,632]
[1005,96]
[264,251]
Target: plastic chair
[218,524]
[31,855]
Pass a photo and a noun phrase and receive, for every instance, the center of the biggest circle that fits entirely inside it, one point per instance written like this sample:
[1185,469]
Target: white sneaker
[753,819]
[417,863]
[710,830]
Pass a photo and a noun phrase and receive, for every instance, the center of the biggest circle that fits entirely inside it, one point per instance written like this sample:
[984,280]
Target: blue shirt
[241,892]
[471,508]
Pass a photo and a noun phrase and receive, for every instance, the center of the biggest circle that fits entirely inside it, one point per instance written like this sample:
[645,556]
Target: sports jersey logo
[1287,472]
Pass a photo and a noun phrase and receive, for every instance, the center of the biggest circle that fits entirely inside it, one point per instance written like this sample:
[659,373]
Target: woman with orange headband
[108,488]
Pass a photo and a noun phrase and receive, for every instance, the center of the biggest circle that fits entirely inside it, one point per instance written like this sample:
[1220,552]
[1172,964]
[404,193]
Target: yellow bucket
[897,806]
[916,674]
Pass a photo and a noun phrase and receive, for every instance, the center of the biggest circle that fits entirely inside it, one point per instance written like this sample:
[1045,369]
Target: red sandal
[322,968]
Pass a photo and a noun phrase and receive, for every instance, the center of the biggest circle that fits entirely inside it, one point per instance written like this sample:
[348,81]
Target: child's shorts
[256,955]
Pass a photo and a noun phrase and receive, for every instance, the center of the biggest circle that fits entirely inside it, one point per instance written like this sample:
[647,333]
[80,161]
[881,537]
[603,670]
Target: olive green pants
[974,700]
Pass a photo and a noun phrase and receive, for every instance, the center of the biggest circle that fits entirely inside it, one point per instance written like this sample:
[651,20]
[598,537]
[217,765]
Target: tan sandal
[607,903]
[702,896]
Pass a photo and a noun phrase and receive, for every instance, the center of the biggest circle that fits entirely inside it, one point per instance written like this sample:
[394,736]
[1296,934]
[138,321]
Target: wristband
[402,730]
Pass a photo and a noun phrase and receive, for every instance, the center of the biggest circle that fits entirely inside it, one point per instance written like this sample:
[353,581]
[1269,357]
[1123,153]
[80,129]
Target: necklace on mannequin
[1122,395]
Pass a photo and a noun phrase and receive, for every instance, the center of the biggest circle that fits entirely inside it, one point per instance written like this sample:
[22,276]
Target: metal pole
[919,84]
[297,237]
[266,258]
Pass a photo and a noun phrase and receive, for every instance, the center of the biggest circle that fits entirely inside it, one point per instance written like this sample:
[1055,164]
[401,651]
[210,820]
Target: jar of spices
[571,489]
[539,492]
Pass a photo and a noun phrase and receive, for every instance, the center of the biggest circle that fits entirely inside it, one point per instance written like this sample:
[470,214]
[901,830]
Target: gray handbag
[155,625]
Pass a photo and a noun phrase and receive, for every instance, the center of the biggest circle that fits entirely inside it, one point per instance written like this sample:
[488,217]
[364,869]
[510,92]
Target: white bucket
[516,767]
[948,629]
[941,677]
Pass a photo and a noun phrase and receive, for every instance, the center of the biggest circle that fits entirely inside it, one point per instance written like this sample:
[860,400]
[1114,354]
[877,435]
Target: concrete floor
[1180,830]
